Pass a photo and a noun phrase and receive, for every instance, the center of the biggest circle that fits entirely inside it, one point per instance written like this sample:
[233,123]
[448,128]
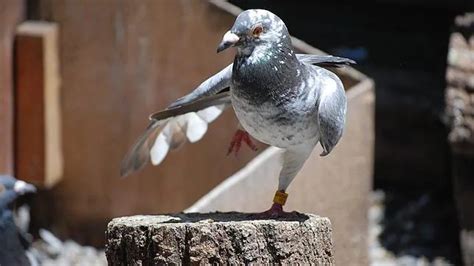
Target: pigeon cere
[280,98]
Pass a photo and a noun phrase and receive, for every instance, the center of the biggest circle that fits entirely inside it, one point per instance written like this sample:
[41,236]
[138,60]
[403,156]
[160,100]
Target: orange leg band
[280,197]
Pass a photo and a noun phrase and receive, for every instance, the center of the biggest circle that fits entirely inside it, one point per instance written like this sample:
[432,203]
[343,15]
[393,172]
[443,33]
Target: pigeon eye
[257,30]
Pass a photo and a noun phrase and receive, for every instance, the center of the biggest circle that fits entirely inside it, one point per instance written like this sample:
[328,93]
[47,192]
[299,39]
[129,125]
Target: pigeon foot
[275,211]
[239,137]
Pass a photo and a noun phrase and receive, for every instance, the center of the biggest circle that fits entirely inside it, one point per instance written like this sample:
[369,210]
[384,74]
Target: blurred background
[78,80]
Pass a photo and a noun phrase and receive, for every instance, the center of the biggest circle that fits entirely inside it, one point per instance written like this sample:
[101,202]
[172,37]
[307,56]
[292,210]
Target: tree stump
[218,238]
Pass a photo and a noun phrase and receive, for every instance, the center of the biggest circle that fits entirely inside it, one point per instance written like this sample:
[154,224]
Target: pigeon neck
[267,72]
[266,53]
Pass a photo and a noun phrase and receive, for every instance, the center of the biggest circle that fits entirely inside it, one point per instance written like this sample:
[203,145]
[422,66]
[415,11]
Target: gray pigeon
[280,98]
[12,251]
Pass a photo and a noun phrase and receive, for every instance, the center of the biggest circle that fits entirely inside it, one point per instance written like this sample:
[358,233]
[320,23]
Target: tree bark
[222,238]
[460,114]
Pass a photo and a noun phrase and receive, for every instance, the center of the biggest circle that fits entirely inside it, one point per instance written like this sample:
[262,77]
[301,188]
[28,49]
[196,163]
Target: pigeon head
[256,27]
[11,188]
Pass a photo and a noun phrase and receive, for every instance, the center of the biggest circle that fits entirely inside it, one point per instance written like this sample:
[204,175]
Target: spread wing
[332,107]
[184,120]
[325,60]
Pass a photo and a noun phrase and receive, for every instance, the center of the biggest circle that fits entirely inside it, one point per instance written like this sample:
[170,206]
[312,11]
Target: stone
[218,238]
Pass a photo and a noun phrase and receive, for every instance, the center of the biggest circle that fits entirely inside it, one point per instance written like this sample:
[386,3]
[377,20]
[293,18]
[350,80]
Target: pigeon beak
[21,187]
[229,39]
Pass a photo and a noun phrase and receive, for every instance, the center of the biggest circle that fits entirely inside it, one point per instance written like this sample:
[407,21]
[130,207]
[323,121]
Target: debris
[51,251]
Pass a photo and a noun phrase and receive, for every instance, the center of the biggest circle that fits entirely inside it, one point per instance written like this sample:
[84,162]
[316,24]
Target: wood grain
[11,12]
[38,153]
[29,109]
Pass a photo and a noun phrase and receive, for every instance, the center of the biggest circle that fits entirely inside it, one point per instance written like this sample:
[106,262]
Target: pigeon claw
[239,137]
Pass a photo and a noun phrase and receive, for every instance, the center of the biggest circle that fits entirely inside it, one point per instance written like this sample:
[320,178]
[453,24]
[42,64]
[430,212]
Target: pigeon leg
[293,160]
[239,137]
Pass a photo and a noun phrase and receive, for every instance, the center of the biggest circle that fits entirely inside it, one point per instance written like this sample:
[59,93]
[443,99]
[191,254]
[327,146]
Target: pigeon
[280,98]
[12,250]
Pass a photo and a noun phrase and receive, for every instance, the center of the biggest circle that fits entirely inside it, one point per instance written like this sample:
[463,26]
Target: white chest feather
[282,126]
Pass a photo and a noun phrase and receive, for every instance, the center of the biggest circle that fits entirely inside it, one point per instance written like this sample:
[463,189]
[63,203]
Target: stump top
[222,238]
[216,217]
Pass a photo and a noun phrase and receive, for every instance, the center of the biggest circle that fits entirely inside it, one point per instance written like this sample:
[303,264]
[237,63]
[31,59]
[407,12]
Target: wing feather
[160,148]
[325,60]
[171,128]
[209,114]
[196,127]
[139,154]
[331,112]
[211,86]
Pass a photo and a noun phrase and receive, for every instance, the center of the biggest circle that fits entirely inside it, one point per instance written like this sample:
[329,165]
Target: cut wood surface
[219,238]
